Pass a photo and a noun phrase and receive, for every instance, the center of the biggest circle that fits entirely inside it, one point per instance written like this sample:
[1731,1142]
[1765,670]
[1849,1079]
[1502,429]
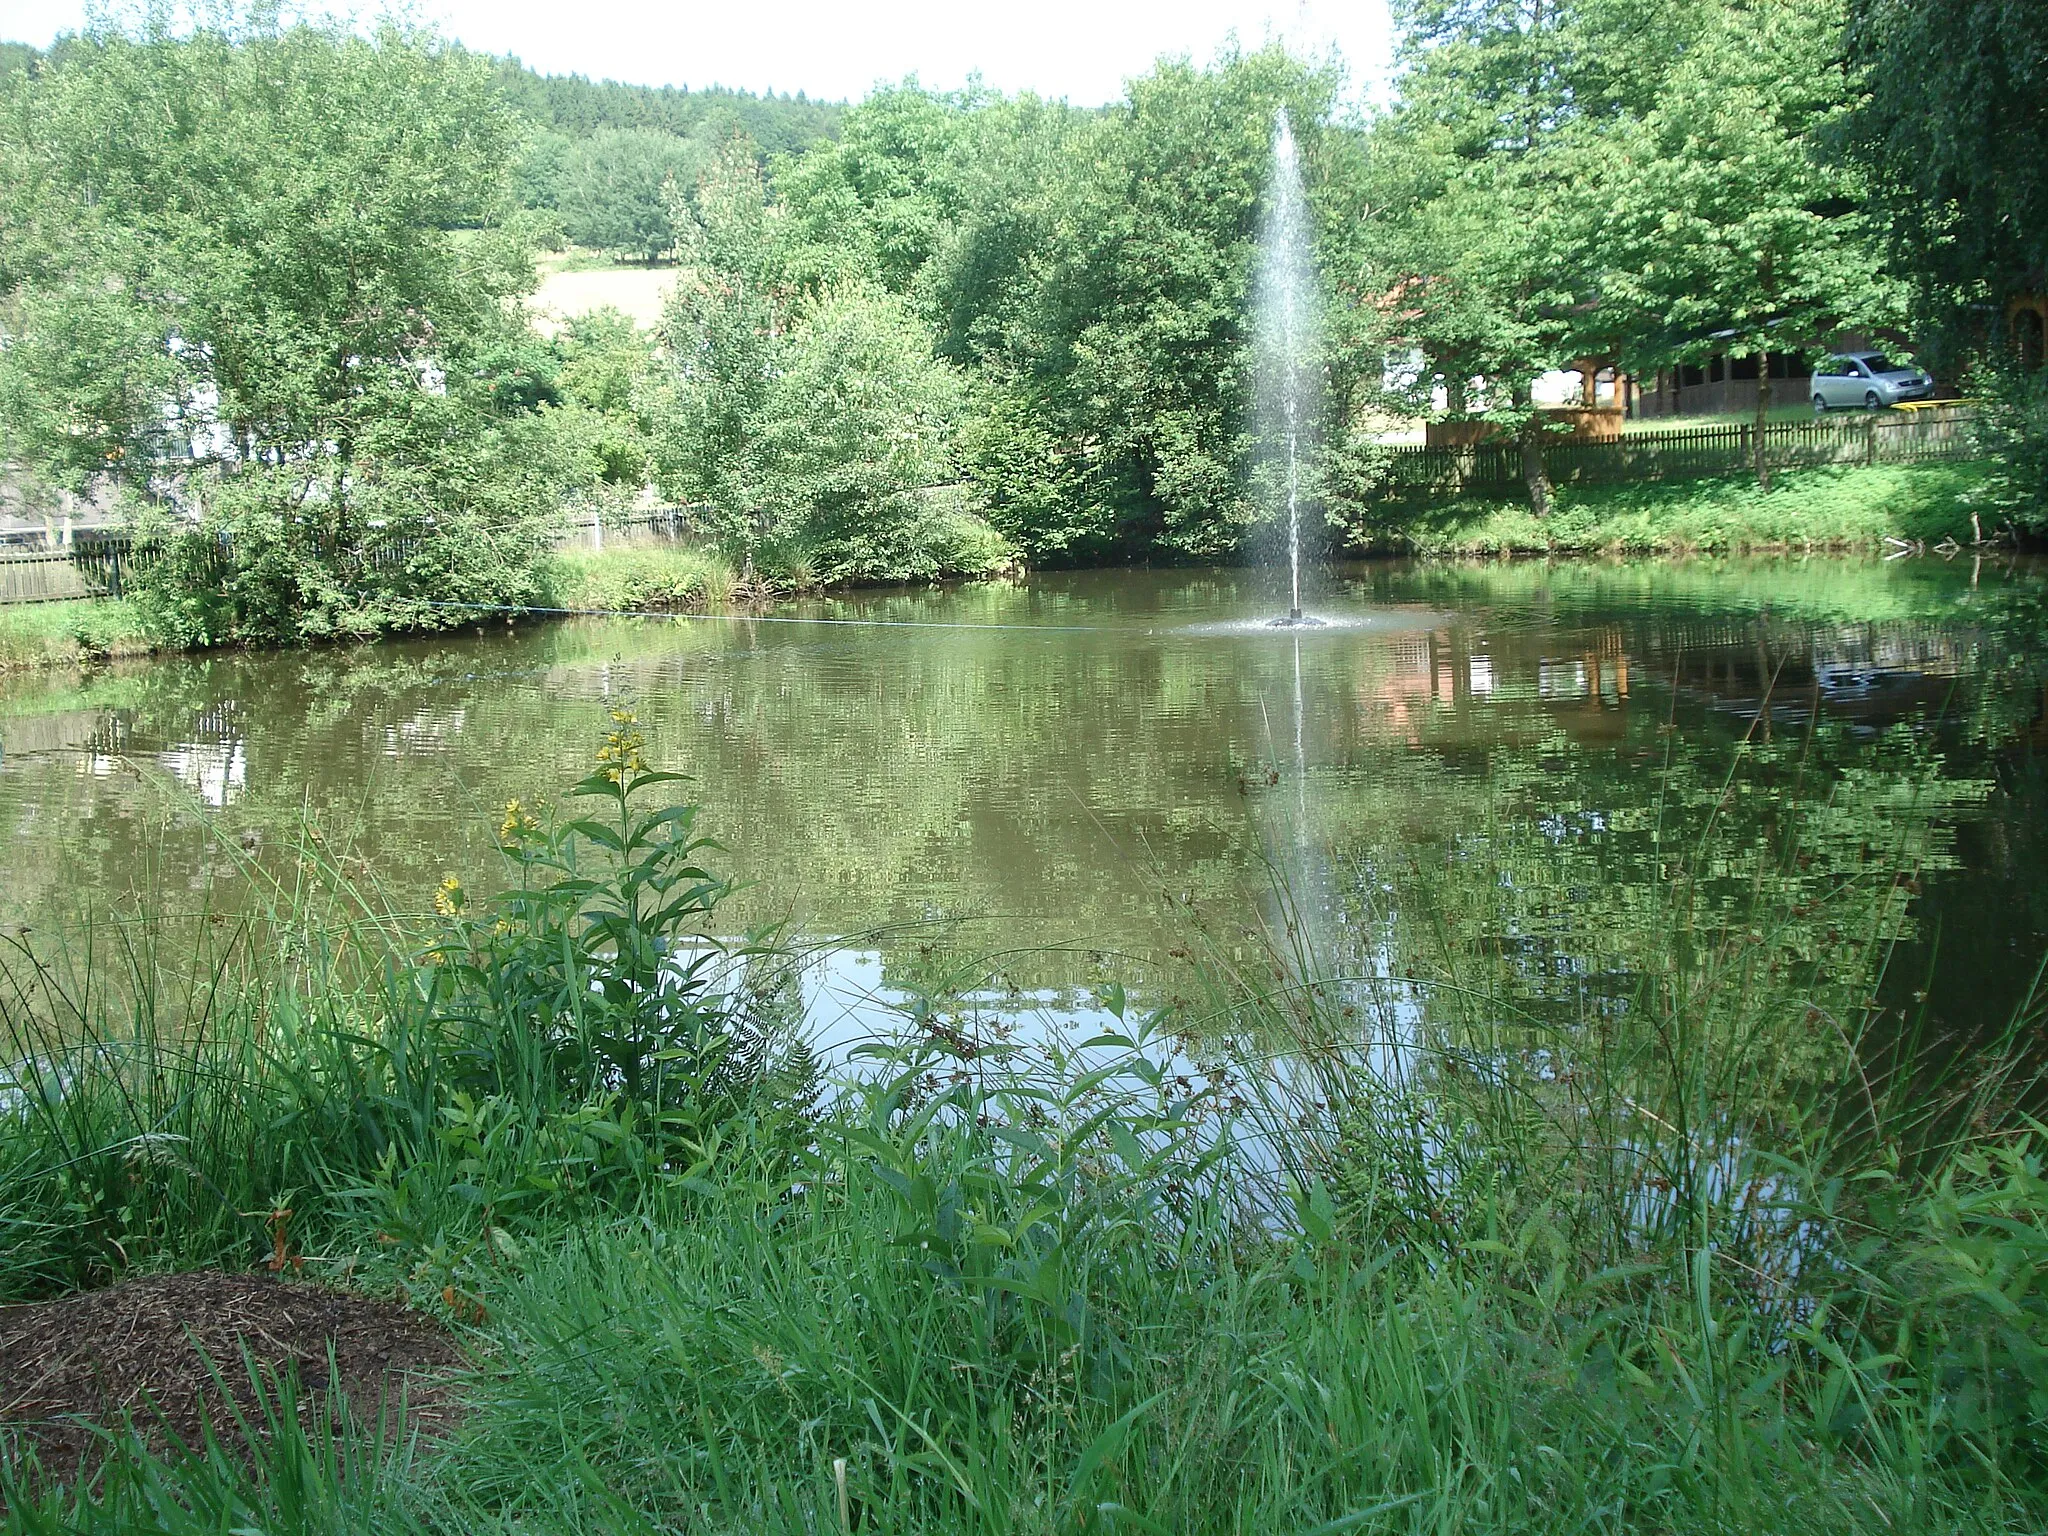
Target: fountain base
[1295,619]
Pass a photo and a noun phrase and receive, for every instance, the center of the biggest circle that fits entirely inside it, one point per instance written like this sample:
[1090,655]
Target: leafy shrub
[1968,1273]
[417,533]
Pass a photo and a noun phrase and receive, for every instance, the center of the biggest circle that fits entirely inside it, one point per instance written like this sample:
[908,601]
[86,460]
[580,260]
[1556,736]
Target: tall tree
[1723,225]
[615,189]
[237,270]
[1955,131]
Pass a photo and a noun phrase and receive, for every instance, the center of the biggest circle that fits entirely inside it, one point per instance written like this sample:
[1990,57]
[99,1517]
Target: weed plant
[1322,1247]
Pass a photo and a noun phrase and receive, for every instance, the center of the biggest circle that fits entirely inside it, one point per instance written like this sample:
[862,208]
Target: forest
[278,314]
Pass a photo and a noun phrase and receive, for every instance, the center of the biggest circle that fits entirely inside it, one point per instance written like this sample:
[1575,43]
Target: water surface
[1062,769]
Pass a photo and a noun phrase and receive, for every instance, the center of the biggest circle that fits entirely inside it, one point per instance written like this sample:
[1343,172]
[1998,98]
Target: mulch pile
[85,1360]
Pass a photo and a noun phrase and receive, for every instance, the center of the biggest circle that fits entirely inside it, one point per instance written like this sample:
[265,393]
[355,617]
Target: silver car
[1868,379]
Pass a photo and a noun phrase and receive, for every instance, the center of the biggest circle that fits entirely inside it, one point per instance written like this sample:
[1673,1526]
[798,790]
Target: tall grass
[69,633]
[658,577]
[1318,1249]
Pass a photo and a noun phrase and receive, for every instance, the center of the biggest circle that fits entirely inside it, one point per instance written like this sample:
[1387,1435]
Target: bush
[419,536]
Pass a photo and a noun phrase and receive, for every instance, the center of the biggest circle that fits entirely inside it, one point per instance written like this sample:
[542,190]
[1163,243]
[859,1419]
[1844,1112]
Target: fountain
[1287,343]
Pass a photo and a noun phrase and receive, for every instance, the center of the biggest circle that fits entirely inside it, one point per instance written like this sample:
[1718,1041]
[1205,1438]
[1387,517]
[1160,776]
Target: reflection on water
[1127,754]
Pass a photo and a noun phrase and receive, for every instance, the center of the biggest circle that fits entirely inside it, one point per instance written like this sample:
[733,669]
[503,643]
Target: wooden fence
[1693,453]
[93,569]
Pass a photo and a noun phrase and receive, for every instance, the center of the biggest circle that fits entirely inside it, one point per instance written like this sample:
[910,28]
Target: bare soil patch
[143,1348]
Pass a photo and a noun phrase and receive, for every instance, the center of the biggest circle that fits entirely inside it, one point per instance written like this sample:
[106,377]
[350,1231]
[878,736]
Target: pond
[1072,773]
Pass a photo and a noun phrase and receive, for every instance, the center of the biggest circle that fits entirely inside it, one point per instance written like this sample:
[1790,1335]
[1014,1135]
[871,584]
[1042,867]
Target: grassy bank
[67,634]
[663,577]
[1850,507]
[1687,1261]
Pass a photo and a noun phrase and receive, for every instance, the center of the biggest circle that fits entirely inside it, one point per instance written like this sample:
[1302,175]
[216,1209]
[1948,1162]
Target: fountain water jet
[1287,342]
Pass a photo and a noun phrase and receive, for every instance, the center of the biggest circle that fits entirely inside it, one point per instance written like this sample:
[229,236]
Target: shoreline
[1881,510]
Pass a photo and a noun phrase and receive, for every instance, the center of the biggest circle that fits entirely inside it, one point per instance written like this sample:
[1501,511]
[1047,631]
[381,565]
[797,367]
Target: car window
[1835,368]
[1879,364]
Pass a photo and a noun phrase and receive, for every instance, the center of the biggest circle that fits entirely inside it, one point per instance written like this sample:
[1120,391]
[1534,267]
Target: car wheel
[1870,400]
[1820,405]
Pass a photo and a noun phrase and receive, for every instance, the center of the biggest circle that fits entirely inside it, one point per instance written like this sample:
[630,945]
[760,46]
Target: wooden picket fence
[1694,453]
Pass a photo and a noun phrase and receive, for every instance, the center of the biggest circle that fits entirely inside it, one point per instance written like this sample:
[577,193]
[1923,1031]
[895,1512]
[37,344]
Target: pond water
[1061,771]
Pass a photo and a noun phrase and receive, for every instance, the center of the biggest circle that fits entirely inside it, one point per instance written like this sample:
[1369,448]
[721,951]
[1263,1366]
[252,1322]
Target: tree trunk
[1534,475]
[1763,417]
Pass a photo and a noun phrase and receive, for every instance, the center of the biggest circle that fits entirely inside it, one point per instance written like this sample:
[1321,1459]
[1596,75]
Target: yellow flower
[448,897]
[622,752]
[517,823]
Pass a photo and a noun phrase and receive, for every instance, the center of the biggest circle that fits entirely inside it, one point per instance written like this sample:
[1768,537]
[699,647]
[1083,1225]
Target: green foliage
[599,972]
[1949,89]
[2014,429]
[574,107]
[1858,506]
[436,524]
[1645,183]
[234,282]
[57,634]
[1968,1289]
[816,427]
[628,580]
[1091,274]
[1719,215]
[616,188]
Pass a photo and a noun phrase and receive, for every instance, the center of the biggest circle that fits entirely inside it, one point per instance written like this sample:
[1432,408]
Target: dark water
[1055,769]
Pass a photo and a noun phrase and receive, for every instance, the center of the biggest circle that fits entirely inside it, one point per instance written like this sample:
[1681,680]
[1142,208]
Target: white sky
[1082,50]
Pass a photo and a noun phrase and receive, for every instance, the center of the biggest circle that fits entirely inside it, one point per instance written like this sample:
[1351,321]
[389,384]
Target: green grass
[1854,507]
[68,633]
[1547,1277]
[666,577]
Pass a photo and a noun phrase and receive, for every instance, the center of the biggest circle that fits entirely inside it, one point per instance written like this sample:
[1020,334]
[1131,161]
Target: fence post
[1870,440]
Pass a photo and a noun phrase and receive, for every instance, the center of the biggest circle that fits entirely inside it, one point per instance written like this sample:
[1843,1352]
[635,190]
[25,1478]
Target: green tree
[721,329]
[616,190]
[1724,227]
[244,270]
[607,370]
[816,427]
[1954,129]
[1491,285]
[856,439]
